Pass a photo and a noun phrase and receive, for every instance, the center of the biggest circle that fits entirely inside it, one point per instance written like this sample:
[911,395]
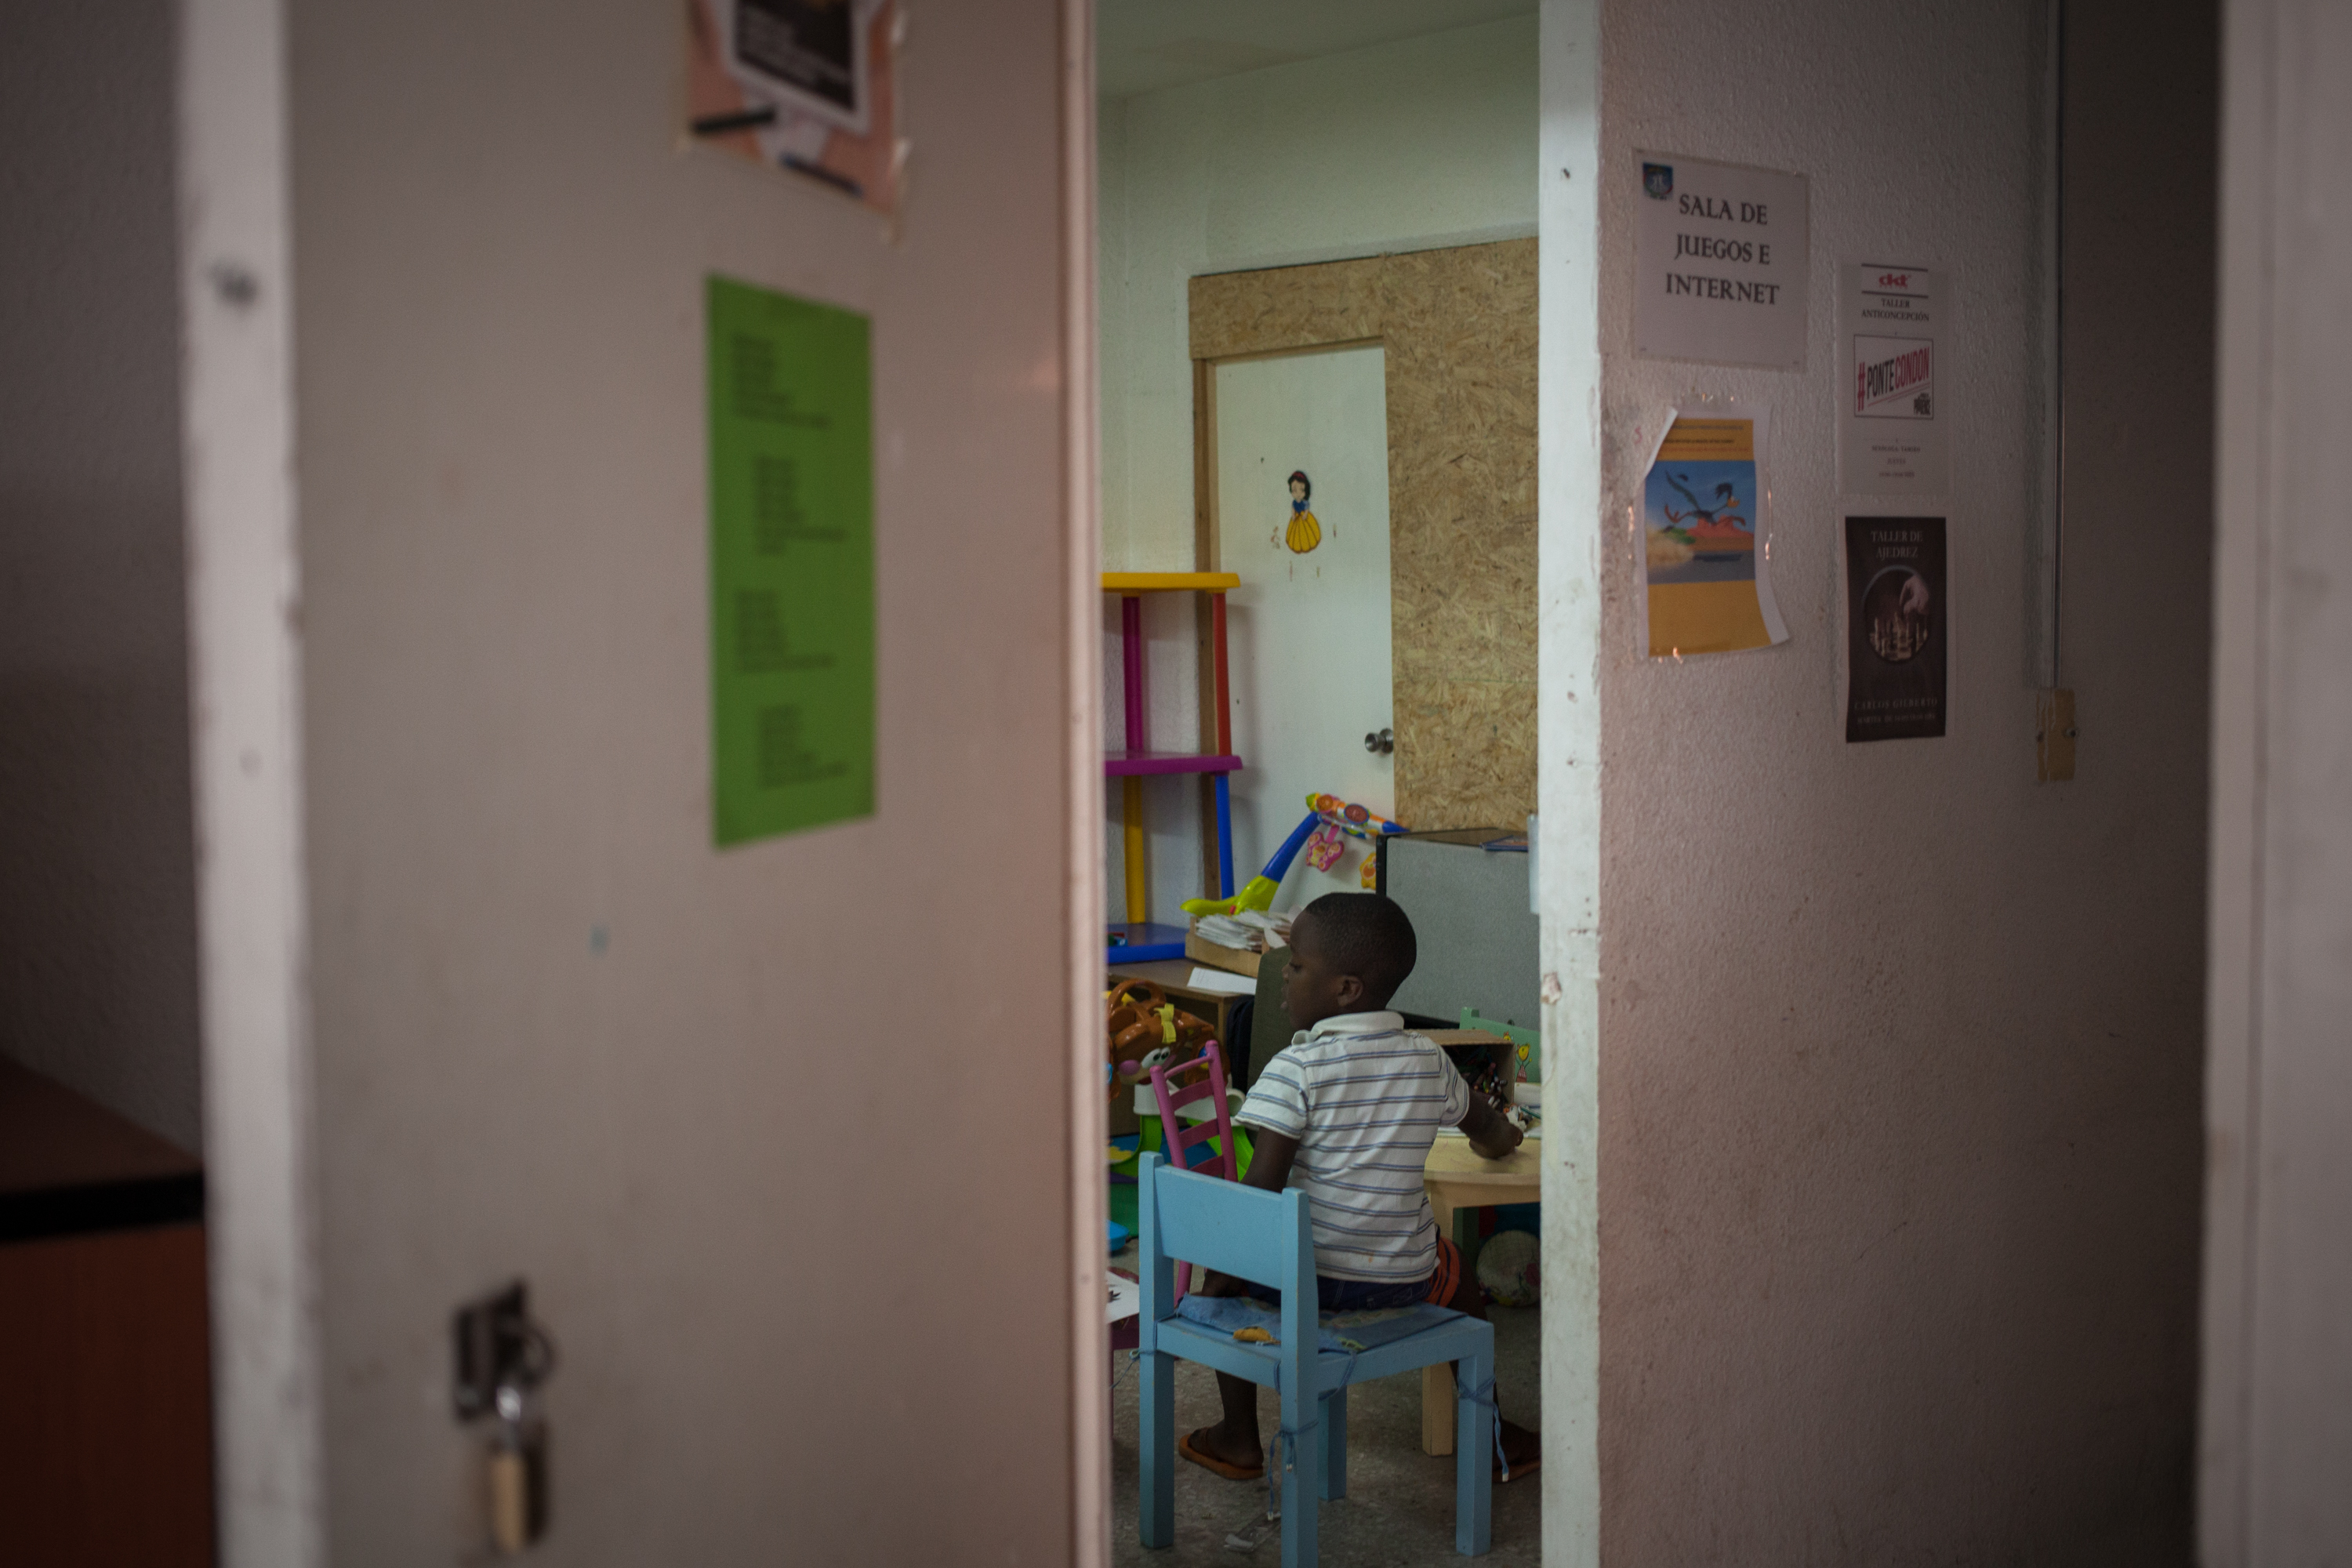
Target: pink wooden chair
[1182,1139]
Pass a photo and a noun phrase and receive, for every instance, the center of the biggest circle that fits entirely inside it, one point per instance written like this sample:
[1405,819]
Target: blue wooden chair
[1264,1237]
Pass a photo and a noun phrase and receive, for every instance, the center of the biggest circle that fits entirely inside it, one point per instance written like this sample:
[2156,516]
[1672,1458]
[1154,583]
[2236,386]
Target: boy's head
[1348,953]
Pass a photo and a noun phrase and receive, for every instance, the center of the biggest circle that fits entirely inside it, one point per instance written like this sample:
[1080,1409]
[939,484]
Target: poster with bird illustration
[1704,563]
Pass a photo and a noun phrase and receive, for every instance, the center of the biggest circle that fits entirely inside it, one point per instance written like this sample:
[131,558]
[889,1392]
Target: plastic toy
[1145,1029]
[1352,820]
[1324,812]
[1258,892]
[1509,1269]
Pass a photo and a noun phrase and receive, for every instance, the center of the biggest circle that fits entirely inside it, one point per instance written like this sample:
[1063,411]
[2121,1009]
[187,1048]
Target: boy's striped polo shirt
[1365,1099]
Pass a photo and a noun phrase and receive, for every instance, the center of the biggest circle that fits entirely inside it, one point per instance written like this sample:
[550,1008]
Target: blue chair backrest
[1234,1229]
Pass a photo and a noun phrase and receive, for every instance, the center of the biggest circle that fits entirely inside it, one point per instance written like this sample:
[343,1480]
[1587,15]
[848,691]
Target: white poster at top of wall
[1894,431]
[1720,254]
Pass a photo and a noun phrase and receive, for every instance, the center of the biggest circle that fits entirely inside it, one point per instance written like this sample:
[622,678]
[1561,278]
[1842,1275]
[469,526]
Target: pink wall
[1899,1061]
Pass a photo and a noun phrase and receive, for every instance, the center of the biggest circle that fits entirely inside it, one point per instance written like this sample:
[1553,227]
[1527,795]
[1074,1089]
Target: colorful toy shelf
[1170,581]
[1143,942]
[1137,940]
[1120,764]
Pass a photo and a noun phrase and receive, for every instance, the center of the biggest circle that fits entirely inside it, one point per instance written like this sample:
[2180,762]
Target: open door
[777,1133]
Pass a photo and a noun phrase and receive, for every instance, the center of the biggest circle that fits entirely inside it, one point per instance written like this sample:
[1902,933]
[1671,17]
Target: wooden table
[1459,1184]
[105,1363]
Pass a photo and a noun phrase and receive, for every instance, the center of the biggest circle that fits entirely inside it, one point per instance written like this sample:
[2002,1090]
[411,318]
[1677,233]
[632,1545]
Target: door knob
[1381,742]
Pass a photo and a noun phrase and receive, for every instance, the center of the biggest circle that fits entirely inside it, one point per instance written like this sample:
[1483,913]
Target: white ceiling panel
[1142,46]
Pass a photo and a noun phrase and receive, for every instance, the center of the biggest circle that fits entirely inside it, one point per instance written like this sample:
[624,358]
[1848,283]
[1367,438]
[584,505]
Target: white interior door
[1308,628]
[483,998]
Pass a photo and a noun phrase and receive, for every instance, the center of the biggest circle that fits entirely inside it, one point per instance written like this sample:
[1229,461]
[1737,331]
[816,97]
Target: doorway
[1276,239]
[1301,488]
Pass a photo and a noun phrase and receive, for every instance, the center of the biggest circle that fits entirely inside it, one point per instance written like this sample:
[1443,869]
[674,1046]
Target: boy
[1347,1113]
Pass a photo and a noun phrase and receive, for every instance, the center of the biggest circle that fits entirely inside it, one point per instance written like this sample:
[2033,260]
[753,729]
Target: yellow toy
[1257,893]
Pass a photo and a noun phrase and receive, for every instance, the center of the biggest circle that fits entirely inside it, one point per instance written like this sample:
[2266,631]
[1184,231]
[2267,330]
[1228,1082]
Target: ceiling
[1141,45]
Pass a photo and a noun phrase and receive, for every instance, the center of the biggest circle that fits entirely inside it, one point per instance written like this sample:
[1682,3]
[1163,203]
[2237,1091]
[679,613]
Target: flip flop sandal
[1210,1462]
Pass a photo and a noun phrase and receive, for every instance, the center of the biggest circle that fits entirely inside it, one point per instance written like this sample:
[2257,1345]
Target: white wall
[1569,631]
[804,1308]
[97,968]
[1898,1050]
[2277,1417]
[1404,146]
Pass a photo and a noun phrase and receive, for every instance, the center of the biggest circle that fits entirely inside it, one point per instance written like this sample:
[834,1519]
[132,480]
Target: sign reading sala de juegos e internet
[1720,262]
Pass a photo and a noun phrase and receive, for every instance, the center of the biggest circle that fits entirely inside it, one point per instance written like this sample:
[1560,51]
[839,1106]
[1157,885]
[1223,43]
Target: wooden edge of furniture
[1457,1176]
[1170,581]
[1453,1162]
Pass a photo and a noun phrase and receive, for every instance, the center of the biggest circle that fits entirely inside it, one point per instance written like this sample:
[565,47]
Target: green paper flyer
[792,562]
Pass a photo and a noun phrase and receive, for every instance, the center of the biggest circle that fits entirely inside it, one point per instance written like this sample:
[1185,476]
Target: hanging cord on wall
[2058,333]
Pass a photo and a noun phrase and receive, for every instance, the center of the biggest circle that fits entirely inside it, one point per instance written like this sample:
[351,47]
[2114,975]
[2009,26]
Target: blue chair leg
[1299,1480]
[1156,1435]
[1335,1444]
[1474,1451]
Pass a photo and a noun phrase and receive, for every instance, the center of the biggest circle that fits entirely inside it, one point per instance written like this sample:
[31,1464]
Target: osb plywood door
[1459,327]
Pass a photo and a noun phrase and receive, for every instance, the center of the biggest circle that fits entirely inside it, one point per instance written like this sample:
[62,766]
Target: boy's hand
[1499,1151]
[1493,1135]
[1209,1282]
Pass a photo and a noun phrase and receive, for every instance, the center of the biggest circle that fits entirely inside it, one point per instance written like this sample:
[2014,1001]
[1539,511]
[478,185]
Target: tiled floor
[1399,1509]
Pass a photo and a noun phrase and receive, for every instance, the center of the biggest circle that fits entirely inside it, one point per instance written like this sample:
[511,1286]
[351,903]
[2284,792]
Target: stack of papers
[1222,982]
[1251,930]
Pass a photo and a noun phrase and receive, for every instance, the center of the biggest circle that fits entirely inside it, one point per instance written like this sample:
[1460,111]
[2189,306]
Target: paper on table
[1224,983]
[1126,1298]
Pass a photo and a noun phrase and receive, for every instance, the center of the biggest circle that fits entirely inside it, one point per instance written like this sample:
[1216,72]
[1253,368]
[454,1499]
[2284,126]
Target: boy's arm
[1271,1154]
[1493,1135]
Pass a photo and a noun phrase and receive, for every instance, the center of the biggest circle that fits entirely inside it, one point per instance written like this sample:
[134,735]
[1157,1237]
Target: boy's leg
[1233,1439]
[1520,1447]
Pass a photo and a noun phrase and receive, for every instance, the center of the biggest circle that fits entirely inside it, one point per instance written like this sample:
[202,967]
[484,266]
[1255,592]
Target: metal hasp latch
[502,1357]
[1381,742]
[2054,735]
